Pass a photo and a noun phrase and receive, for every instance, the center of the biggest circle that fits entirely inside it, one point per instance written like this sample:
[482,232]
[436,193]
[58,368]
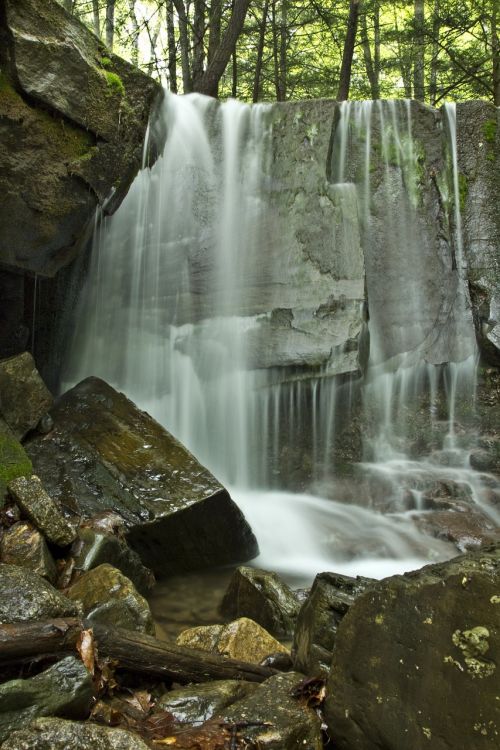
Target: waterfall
[198,307]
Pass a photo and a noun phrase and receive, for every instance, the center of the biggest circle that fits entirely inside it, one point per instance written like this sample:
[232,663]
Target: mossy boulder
[14,461]
[416,660]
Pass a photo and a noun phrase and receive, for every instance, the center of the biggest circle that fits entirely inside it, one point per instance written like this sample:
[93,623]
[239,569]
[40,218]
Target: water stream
[182,289]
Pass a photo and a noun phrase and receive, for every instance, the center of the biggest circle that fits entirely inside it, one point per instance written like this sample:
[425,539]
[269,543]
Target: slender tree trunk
[172,56]
[210,82]
[135,32]
[260,53]
[376,42]
[68,5]
[215,26]
[96,19]
[436,30]
[110,23]
[495,53]
[283,50]
[198,47]
[234,82]
[419,53]
[187,83]
[347,55]
[404,62]
[274,26]
[371,72]
[153,38]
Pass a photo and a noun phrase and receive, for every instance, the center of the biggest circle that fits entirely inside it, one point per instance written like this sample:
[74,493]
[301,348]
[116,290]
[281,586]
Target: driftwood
[132,651]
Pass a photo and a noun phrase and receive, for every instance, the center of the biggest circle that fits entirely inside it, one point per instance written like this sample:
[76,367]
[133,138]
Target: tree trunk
[347,55]
[187,83]
[495,53]
[370,65]
[419,51]
[215,26]
[153,38]
[198,47]
[210,82]
[234,82]
[135,32]
[283,49]
[96,19]
[172,57]
[436,30]
[110,23]
[260,53]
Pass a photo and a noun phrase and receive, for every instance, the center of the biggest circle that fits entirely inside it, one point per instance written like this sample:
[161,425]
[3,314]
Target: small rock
[24,397]
[23,545]
[42,510]
[25,596]
[329,600]
[92,549]
[109,597]
[65,689]
[272,719]
[58,734]
[263,597]
[195,704]
[242,639]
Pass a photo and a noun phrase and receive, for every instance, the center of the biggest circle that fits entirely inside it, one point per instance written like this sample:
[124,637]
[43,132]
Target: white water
[170,301]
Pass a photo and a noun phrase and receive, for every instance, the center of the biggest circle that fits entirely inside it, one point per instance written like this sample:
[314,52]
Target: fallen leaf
[86,649]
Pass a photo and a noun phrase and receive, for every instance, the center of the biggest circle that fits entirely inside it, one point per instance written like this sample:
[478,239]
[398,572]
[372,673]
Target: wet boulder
[263,597]
[65,689]
[93,548]
[416,660]
[242,639]
[330,598]
[24,397]
[25,596]
[59,734]
[104,453]
[39,507]
[195,704]
[272,718]
[109,597]
[23,545]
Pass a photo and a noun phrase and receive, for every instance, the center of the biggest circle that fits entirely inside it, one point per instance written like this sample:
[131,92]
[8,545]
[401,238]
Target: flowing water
[174,305]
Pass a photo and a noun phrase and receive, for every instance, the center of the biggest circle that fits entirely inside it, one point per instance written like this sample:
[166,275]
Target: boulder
[25,596]
[263,597]
[195,704]
[65,689]
[24,397]
[23,545]
[93,548]
[36,504]
[242,639]
[104,453]
[416,660]
[330,598]
[468,528]
[73,119]
[272,718]
[58,734]
[108,597]
[14,461]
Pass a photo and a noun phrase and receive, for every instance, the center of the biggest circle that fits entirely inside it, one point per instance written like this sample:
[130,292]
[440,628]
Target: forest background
[267,50]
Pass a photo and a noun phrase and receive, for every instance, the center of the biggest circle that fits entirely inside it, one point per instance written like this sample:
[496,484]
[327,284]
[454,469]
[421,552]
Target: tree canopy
[265,50]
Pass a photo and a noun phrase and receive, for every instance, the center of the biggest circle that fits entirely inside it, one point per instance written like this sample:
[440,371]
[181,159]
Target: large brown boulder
[105,454]
[72,122]
[417,658]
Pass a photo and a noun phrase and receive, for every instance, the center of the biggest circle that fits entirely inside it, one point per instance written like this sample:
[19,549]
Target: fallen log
[131,651]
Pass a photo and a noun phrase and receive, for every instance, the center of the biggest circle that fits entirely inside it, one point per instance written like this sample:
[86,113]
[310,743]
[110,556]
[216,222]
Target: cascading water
[196,308]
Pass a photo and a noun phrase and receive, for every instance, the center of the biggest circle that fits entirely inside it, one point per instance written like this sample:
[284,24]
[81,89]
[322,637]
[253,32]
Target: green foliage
[490,131]
[105,62]
[114,82]
[463,190]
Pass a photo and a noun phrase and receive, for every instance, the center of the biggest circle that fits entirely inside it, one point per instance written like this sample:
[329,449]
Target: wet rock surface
[57,734]
[104,453]
[416,660]
[36,504]
[25,596]
[198,703]
[23,545]
[64,689]
[74,117]
[24,397]
[263,597]
[319,618]
[108,597]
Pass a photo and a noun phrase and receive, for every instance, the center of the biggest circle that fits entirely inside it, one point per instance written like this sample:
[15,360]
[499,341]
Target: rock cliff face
[73,118]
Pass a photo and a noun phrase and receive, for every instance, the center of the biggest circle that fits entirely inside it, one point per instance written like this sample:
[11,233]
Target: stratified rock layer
[104,453]
[416,660]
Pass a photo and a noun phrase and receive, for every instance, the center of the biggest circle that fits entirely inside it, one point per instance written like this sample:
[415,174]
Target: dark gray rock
[23,545]
[108,597]
[73,119]
[416,660]
[58,734]
[24,397]
[330,598]
[93,548]
[286,723]
[104,453]
[195,704]
[65,689]
[36,504]
[25,596]
[263,597]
